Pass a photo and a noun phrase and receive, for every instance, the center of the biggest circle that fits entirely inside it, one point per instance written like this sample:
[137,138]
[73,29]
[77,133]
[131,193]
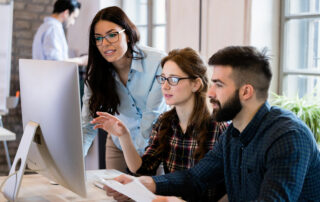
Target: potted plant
[307,108]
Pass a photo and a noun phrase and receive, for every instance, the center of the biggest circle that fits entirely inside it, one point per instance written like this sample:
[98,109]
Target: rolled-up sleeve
[87,128]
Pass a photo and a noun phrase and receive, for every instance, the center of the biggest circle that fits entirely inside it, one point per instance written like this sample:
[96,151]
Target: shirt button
[133,105]
[138,127]
[129,80]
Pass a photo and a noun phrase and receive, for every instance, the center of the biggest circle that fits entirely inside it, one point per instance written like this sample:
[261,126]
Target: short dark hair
[249,66]
[62,5]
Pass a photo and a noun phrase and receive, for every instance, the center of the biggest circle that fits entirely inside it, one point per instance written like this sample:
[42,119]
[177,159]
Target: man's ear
[246,91]
[66,14]
[197,85]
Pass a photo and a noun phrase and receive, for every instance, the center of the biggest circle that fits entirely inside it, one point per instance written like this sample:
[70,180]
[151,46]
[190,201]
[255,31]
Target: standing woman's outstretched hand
[110,123]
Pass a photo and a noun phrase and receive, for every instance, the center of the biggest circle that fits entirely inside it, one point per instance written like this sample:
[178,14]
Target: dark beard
[230,109]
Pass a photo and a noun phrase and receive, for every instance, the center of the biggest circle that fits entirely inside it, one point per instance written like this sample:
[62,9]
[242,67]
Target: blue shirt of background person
[121,81]
[50,42]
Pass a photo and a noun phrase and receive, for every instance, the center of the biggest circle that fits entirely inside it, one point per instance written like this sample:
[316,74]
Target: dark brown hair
[62,5]
[190,63]
[249,66]
[100,72]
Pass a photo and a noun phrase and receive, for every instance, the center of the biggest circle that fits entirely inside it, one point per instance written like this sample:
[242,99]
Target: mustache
[214,101]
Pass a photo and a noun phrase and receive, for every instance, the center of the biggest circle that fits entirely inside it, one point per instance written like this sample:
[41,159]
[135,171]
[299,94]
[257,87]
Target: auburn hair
[190,63]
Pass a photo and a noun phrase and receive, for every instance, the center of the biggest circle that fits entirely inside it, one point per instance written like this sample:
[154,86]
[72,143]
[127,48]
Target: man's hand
[125,179]
[148,182]
[167,199]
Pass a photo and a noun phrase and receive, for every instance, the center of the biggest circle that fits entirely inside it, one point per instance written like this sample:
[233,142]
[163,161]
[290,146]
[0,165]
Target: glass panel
[159,11]
[302,44]
[137,11]
[104,3]
[303,6]
[299,85]
[143,35]
[159,37]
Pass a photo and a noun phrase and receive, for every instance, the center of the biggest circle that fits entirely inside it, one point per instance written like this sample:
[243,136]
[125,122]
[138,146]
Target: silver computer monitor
[50,97]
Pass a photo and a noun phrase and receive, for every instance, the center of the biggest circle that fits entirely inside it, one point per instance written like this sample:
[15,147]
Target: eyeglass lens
[171,80]
[111,38]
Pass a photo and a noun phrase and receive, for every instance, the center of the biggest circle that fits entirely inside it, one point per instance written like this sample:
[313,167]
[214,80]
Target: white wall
[265,32]
[225,24]
[183,24]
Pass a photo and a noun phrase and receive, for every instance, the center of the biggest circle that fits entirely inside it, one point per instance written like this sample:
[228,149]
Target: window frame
[150,25]
[285,18]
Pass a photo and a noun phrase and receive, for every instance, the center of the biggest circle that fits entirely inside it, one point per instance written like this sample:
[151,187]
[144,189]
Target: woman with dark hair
[181,136]
[121,80]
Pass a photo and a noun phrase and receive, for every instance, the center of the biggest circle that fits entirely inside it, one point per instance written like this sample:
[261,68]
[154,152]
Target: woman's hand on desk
[125,179]
[111,124]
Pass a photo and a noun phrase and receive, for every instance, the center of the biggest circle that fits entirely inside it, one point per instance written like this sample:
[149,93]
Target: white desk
[6,135]
[37,188]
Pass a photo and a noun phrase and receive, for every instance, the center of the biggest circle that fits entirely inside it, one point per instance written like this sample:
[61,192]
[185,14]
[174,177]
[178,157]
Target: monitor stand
[11,187]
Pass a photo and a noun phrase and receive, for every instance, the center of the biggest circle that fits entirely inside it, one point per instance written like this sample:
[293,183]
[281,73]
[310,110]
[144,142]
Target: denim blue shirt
[275,158]
[50,42]
[141,101]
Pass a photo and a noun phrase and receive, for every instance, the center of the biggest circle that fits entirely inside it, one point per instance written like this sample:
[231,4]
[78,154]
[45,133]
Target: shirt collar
[52,19]
[175,125]
[137,65]
[250,131]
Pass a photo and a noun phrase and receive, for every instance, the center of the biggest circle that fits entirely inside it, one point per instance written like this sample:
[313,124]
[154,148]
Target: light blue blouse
[141,101]
[50,42]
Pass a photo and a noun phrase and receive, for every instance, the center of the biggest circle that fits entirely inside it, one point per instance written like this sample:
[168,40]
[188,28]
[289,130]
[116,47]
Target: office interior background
[288,28]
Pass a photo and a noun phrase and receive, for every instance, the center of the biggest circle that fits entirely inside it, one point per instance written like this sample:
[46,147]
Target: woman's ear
[197,85]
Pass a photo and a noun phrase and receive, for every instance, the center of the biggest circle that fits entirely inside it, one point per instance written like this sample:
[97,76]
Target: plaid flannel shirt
[182,148]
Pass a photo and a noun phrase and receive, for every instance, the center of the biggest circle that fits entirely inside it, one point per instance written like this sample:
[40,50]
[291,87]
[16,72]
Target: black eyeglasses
[172,80]
[111,37]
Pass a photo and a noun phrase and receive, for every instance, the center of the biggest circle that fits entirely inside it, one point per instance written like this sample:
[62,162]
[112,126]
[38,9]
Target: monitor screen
[50,97]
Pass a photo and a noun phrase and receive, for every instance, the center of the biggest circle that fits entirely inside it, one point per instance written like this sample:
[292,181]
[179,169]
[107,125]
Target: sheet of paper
[109,174]
[135,190]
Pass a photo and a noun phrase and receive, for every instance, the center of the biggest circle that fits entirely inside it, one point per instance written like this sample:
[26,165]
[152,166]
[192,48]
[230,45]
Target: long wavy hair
[100,73]
[190,63]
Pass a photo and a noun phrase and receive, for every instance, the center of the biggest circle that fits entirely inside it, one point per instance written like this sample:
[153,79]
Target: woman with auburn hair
[181,136]
[121,80]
